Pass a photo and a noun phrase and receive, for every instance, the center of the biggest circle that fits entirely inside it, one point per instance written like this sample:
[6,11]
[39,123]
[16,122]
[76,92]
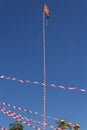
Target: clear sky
[21,56]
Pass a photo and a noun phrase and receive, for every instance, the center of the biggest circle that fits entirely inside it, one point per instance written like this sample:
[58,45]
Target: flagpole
[44,60]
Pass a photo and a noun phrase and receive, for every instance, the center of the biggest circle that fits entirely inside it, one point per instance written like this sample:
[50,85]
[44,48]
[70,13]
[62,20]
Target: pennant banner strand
[40,83]
[14,116]
[26,110]
[23,118]
[2,128]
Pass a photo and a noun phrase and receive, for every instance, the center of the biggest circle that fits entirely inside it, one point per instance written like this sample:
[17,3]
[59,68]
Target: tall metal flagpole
[44,59]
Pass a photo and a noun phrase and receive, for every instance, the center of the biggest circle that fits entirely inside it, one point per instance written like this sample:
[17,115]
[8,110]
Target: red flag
[47,12]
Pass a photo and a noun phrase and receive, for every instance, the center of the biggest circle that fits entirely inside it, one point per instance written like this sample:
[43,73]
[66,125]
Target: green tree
[76,127]
[16,126]
[63,124]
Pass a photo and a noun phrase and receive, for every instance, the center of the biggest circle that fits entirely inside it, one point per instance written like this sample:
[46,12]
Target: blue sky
[21,56]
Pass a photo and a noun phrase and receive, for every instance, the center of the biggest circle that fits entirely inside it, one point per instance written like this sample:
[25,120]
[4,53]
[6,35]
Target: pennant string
[40,83]
[23,118]
[14,116]
[28,111]
[2,128]
[25,110]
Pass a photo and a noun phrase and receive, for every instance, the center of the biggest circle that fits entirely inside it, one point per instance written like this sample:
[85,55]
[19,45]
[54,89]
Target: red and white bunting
[26,110]
[15,116]
[2,128]
[23,118]
[40,83]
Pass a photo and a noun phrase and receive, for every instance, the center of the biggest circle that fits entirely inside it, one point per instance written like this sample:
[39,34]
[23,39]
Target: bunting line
[23,118]
[14,116]
[26,110]
[2,128]
[40,83]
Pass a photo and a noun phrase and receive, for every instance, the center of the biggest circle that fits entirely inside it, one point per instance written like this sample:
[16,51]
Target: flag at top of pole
[47,12]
